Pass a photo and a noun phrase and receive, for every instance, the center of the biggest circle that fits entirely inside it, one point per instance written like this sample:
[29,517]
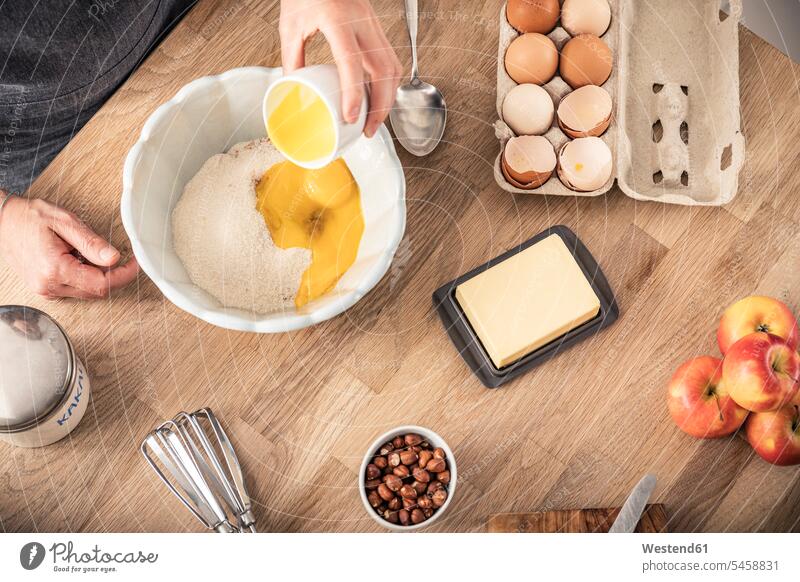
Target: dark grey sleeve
[60,60]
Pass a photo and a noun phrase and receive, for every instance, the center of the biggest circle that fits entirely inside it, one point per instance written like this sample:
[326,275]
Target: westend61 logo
[67,559]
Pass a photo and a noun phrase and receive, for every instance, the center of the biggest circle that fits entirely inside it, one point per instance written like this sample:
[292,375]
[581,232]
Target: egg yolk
[318,210]
[299,123]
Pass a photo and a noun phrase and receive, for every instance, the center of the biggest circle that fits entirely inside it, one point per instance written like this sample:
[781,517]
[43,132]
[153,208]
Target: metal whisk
[194,457]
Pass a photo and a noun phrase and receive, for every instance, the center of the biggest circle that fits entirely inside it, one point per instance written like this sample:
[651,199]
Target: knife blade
[632,510]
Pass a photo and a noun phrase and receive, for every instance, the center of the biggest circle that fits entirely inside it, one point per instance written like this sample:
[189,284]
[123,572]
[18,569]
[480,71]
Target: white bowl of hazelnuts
[407,478]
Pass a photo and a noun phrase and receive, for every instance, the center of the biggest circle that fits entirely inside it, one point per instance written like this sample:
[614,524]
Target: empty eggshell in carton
[584,164]
[675,129]
[585,112]
[528,161]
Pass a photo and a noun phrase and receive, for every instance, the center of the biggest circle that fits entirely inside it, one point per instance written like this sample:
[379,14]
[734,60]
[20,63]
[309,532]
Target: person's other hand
[359,47]
[39,241]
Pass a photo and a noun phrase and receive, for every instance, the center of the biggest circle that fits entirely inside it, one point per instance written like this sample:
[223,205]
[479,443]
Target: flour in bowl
[223,241]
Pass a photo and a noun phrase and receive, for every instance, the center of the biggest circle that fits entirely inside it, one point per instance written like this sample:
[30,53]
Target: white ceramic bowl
[207,117]
[432,438]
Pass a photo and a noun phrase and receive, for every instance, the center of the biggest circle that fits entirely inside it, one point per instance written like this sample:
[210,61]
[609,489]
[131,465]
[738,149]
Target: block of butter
[527,300]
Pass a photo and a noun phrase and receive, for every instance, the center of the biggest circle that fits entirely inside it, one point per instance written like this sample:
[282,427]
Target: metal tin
[44,386]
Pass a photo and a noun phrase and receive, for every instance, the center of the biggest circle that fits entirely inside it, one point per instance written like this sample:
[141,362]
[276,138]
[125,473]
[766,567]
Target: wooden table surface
[302,407]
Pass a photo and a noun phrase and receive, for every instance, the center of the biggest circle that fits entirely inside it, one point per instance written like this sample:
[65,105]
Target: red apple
[760,372]
[753,314]
[698,401]
[775,435]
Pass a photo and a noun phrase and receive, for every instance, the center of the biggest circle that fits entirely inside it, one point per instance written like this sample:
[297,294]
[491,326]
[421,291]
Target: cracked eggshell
[528,161]
[585,112]
[584,164]
[528,109]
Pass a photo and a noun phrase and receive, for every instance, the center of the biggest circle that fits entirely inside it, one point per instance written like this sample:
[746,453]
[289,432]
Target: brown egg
[585,112]
[531,58]
[528,161]
[585,60]
[533,15]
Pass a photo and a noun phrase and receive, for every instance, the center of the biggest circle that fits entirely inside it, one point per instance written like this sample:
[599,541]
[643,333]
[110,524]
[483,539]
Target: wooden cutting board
[654,520]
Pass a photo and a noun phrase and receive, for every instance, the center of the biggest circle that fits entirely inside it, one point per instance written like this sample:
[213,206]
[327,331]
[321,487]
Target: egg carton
[675,133]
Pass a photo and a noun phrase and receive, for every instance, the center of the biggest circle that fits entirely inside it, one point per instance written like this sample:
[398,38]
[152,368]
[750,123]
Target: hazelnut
[374,499]
[439,497]
[434,486]
[417,516]
[419,487]
[385,493]
[409,503]
[394,460]
[397,442]
[373,472]
[424,457]
[422,475]
[391,516]
[386,449]
[393,482]
[372,483]
[444,477]
[409,458]
[380,462]
[425,502]
[428,512]
[413,439]
[402,471]
[408,492]
[404,516]
[438,453]
[436,465]
[395,503]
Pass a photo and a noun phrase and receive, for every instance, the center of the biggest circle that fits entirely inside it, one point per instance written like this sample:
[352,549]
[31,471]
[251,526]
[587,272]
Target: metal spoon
[419,111]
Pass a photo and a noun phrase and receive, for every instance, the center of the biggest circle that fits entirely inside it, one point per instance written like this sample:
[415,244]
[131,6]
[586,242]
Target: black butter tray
[470,347]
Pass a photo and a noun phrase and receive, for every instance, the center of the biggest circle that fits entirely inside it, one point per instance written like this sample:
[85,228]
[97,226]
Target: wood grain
[653,520]
[302,407]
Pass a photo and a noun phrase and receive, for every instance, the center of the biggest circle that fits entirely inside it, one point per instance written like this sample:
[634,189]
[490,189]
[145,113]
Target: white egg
[528,109]
[584,164]
[586,16]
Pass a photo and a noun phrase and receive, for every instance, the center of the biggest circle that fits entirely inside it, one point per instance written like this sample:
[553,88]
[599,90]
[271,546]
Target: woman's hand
[39,241]
[359,47]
